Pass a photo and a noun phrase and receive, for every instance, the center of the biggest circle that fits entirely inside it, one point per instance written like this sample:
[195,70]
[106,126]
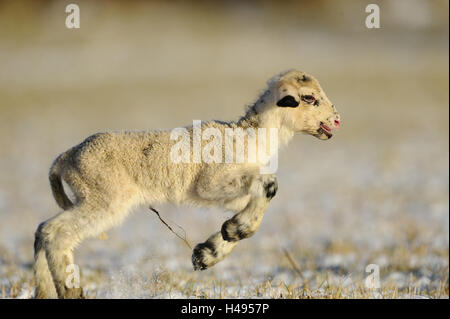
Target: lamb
[112,173]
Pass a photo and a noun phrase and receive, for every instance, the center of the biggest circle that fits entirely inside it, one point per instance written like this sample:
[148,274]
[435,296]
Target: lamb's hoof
[74,293]
[200,256]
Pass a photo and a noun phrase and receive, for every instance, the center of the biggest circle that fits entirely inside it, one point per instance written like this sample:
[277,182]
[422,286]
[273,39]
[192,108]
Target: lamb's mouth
[323,129]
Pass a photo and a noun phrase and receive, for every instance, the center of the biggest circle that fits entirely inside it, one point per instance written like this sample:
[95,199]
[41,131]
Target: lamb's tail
[56,183]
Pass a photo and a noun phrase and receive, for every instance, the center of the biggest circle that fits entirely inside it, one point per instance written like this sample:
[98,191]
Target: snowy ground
[377,193]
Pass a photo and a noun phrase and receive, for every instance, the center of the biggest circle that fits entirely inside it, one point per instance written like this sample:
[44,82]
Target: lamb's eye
[309,99]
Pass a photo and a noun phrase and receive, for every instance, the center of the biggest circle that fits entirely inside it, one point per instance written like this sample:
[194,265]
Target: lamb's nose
[337,123]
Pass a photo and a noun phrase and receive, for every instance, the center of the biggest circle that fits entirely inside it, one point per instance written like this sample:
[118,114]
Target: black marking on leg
[197,258]
[242,234]
[238,234]
[198,255]
[224,231]
[210,246]
[226,235]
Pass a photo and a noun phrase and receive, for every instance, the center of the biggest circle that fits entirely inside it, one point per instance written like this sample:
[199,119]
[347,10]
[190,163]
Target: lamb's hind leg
[60,235]
[45,288]
[242,225]
[55,240]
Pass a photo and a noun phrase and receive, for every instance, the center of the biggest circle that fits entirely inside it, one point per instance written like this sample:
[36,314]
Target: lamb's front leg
[242,225]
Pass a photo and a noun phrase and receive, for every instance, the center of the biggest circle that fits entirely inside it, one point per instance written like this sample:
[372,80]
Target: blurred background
[377,193]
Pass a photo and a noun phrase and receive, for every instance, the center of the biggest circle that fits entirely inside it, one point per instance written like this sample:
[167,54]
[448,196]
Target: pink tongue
[325,127]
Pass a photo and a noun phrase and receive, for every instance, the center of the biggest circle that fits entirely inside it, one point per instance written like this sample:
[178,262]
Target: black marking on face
[271,189]
[304,78]
[287,101]
[322,131]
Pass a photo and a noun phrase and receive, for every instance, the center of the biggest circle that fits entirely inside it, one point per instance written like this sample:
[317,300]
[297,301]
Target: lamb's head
[303,106]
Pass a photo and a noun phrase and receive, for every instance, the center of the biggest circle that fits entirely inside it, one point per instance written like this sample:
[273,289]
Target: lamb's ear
[287,96]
